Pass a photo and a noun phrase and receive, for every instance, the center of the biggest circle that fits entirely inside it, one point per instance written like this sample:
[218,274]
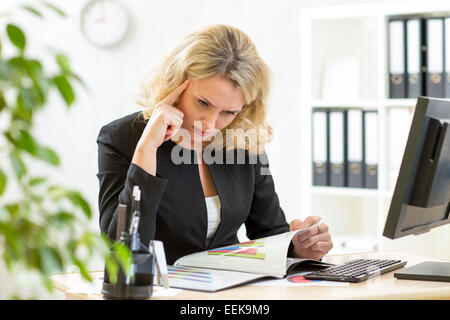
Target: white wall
[113,75]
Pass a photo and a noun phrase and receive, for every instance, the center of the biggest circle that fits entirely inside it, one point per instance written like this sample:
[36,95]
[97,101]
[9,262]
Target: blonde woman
[207,97]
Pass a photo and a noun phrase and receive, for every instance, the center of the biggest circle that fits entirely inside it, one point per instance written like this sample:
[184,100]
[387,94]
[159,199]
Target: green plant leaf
[65,89]
[83,269]
[12,209]
[47,281]
[16,36]
[55,9]
[77,199]
[57,192]
[123,255]
[63,63]
[48,155]
[14,240]
[50,259]
[3,181]
[40,83]
[61,219]
[27,143]
[33,11]
[18,165]
[37,181]
[5,73]
[112,268]
[20,113]
[26,99]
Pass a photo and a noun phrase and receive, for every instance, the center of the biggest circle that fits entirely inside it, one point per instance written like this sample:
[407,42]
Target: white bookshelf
[356,216]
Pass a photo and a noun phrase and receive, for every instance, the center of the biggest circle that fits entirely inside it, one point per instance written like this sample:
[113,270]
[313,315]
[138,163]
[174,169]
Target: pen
[136,213]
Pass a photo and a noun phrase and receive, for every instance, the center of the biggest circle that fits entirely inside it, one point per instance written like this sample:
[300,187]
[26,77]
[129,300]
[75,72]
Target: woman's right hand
[165,120]
[163,124]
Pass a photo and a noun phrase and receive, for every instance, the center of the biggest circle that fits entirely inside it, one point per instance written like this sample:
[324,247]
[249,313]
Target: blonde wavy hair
[217,50]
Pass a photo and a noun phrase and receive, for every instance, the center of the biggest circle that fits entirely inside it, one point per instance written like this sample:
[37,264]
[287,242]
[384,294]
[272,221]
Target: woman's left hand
[313,244]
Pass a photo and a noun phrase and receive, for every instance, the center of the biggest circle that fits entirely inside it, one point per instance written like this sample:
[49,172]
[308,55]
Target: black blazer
[173,207]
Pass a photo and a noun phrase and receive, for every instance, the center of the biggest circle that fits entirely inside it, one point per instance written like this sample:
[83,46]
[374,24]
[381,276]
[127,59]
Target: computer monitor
[421,199]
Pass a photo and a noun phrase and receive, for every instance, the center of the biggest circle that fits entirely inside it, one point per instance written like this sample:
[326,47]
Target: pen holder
[139,285]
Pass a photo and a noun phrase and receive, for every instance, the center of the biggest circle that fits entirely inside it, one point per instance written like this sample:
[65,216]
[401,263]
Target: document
[225,267]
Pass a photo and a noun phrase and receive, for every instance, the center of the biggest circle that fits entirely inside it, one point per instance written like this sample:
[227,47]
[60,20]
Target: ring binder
[337,148]
[435,58]
[354,148]
[397,87]
[413,58]
[320,147]
[371,149]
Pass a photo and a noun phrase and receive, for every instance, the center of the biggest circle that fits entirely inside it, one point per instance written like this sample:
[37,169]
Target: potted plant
[43,226]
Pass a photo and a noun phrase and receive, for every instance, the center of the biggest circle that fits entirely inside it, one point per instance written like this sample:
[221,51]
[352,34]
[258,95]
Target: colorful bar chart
[184,273]
[247,249]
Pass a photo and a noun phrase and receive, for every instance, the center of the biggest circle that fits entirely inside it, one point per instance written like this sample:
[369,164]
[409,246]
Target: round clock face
[104,22]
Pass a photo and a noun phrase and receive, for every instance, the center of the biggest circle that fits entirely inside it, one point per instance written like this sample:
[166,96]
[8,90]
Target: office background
[113,77]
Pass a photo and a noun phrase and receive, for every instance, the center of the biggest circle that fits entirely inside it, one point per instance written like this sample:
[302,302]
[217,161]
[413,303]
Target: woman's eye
[203,103]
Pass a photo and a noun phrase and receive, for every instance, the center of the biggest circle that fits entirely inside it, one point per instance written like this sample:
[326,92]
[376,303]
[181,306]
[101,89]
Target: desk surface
[381,287]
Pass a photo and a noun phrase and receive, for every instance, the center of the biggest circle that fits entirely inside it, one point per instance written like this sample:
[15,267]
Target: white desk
[381,287]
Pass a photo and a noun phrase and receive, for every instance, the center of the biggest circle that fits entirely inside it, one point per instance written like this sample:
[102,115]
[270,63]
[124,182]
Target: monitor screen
[422,193]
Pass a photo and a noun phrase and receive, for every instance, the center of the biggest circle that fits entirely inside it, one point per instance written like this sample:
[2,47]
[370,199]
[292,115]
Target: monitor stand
[428,271]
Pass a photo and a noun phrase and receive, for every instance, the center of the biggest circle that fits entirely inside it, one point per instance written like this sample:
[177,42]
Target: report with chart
[237,263]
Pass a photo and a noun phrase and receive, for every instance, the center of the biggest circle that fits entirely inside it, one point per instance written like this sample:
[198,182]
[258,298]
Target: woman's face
[209,105]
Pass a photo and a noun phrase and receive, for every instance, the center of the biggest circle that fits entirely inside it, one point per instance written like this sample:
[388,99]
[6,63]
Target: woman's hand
[163,124]
[313,244]
[165,120]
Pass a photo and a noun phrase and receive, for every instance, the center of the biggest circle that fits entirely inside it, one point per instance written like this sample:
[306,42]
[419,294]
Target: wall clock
[104,22]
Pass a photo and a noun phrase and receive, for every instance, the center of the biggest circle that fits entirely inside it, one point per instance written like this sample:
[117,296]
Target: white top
[213,213]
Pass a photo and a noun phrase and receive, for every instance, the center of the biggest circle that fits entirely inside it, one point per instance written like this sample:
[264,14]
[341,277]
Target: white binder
[396,47]
[337,157]
[413,46]
[435,58]
[355,134]
[354,148]
[414,51]
[397,83]
[371,148]
[435,48]
[320,136]
[319,148]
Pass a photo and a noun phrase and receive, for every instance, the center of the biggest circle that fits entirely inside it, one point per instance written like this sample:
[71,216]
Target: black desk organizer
[139,284]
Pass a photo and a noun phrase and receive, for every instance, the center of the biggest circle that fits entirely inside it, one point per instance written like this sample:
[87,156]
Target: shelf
[353,38]
[407,103]
[349,192]
[346,104]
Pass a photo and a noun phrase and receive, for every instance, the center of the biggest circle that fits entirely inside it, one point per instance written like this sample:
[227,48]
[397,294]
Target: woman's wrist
[145,158]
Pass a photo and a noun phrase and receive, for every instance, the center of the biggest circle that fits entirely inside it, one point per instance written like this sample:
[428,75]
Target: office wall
[112,76]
